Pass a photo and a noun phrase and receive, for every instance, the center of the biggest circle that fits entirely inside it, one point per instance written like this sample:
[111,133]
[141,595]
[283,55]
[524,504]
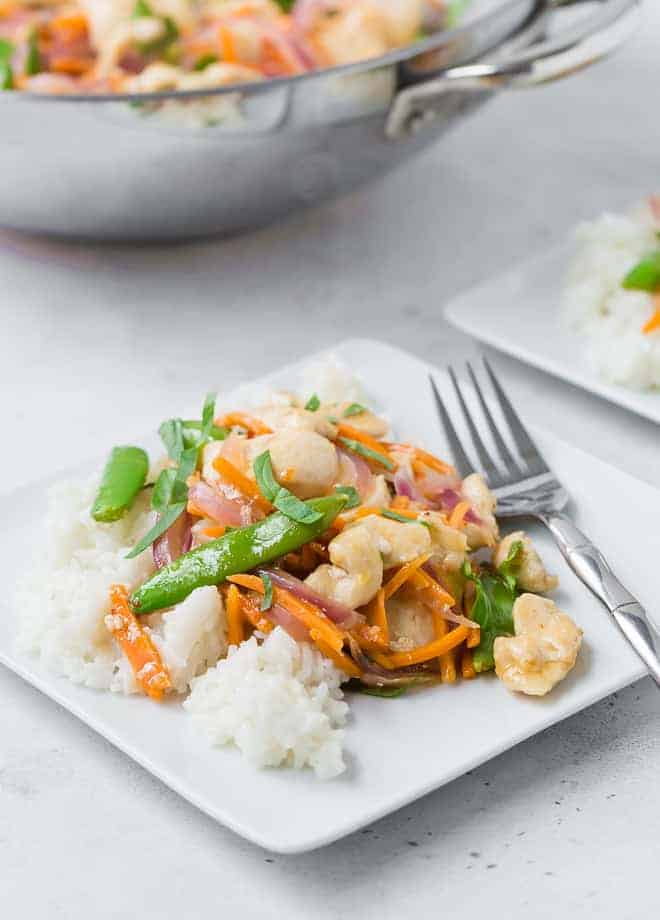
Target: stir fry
[308,517]
[64,46]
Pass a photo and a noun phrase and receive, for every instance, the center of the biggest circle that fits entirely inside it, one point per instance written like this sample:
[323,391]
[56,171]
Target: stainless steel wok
[181,165]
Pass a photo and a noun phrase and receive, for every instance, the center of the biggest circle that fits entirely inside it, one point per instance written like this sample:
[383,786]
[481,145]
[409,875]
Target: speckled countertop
[566,824]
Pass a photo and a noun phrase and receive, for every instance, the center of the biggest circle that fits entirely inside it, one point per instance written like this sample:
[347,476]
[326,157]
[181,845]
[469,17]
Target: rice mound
[279,702]
[63,602]
[609,317]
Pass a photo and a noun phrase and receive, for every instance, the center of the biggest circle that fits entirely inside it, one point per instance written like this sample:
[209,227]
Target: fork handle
[593,570]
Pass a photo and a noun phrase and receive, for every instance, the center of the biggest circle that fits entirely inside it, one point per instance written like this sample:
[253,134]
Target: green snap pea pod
[237,551]
[124,475]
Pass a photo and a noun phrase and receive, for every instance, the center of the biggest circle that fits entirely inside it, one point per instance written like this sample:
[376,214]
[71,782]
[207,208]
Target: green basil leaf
[164,522]
[353,409]
[205,61]
[492,610]
[6,72]
[141,9]
[285,5]
[510,565]
[386,693]
[208,414]
[645,276]
[171,434]
[33,58]
[351,494]
[284,501]
[312,403]
[187,463]
[359,448]
[267,600]
[162,493]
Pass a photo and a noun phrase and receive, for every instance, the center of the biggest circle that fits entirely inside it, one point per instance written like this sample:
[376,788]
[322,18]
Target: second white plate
[518,313]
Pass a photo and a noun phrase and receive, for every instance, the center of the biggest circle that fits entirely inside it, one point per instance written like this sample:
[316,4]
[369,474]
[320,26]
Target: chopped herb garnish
[164,522]
[312,403]
[205,61]
[208,414]
[267,600]
[645,276]
[393,516]
[351,494]
[353,409]
[6,72]
[359,448]
[171,434]
[32,58]
[386,693]
[495,595]
[141,9]
[277,495]
[510,565]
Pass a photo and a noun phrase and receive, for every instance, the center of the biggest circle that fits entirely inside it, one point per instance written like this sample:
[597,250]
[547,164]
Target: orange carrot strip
[403,574]
[424,457]
[474,638]
[370,637]
[446,662]
[215,531]
[252,425]
[69,65]
[355,434]
[467,667]
[227,45]
[340,659]
[252,582]
[654,322]
[433,649]
[69,26]
[240,481]
[400,503]
[457,516]
[423,580]
[142,654]
[234,607]
[377,615]
[252,613]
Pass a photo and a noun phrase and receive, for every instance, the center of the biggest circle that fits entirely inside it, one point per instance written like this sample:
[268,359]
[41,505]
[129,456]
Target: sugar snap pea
[124,475]
[237,551]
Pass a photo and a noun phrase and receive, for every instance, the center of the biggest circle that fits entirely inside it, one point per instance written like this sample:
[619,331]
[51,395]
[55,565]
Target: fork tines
[504,468]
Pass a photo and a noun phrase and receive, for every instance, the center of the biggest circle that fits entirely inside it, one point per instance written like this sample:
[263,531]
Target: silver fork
[527,487]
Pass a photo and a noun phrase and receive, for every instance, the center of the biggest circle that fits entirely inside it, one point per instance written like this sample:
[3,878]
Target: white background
[96,343]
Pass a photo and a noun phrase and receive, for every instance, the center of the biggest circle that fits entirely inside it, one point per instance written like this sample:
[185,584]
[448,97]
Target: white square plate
[518,313]
[397,749]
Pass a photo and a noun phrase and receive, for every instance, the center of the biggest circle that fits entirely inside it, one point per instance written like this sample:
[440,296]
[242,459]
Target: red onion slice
[339,613]
[404,485]
[357,470]
[280,616]
[231,511]
[176,541]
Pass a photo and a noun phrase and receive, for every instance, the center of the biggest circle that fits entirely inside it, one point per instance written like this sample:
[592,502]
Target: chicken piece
[361,552]
[543,649]
[303,461]
[403,19]
[483,532]
[410,622]
[378,495]
[157,78]
[529,570]
[356,572]
[348,31]
[282,416]
[366,421]
[448,545]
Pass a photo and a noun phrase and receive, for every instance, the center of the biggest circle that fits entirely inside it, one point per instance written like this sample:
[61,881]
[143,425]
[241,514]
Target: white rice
[279,702]
[608,317]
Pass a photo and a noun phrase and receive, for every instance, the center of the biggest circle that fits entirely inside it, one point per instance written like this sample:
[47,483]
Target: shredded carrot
[433,649]
[251,582]
[377,614]
[340,659]
[400,503]
[424,581]
[654,322]
[309,616]
[252,612]
[216,531]
[252,425]
[457,517]
[403,574]
[405,512]
[423,456]
[74,66]
[467,667]
[234,607]
[227,45]
[446,662]
[69,26]
[370,637]
[288,475]
[277,58]
[232,475]
[355,434]
[343,519]
[474,638]
[142,654]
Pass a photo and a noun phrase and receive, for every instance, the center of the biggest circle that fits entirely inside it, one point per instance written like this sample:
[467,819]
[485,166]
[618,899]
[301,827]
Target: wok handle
[573,49]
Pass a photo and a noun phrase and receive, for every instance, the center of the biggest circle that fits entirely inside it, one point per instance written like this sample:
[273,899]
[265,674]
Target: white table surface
[96,342]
